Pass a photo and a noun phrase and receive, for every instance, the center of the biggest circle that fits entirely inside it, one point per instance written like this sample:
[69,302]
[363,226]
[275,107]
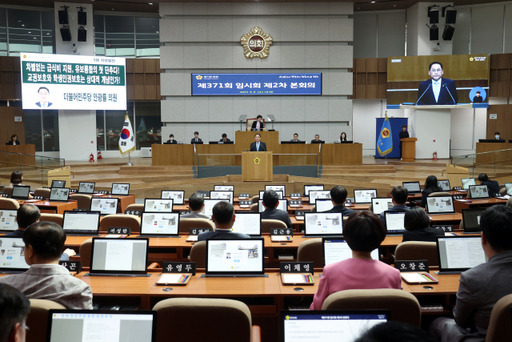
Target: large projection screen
[69,82]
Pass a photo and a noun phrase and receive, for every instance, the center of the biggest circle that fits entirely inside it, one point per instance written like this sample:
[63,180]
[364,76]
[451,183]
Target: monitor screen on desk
[58,183]
[337,249]
[247,223]
[466,182]
[281,205]
[276,188]
[318,224]
[412,187]
[471,219]
[120,189]
[394,221]
[153,205]
[224,188]
[444,184]
[322,205]
[478,191]
[508,186]
[440,205]
[308,188]
[12,255]
[209,204]
[20,192]
[159,223]
[381,204]
[106,205]
[236,256]
[8,221]
[86,188]
[227,195]
[364,196]
[81,222]
[59,194]
[177,196]
[280,194]
[119,255]
[460,253]
[318,194]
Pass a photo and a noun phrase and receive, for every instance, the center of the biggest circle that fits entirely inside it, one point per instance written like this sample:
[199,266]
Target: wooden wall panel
[9,126]
[502,124]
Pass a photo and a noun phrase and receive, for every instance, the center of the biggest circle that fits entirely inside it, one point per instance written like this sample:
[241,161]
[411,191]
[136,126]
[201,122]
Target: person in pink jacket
[363,232]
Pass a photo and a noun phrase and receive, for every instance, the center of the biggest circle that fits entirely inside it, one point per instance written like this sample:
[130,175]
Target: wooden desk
[51,207]
[477,203]
[24,154]
[342,154]
[491,158]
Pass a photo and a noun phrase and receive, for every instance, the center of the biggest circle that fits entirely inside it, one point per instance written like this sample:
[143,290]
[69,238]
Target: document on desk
[297,279]
[174,279]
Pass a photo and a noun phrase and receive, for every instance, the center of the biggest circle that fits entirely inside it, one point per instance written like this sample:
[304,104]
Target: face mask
[497,137]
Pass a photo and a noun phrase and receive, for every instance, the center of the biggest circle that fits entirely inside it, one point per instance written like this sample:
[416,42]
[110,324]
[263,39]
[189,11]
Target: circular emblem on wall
[256,43]
[257,161]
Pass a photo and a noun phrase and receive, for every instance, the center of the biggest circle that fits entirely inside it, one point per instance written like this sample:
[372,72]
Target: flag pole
[129,159]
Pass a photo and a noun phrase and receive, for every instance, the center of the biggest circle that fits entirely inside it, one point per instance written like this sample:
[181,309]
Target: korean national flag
[127,139]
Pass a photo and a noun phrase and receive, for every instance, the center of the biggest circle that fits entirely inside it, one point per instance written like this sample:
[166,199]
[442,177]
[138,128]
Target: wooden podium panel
[342,154]
[27,156]
[257,166]
[62,173]
[408,149]
[172,154]
[490,158]
[245,139]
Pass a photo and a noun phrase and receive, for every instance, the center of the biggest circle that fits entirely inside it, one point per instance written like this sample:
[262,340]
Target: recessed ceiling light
[372,2]
[150,3]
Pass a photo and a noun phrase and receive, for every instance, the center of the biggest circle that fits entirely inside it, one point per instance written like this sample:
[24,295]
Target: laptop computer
[81,222]
[471,219]
[308,188]
[153,205]
[247,223]
[440,205]
[322,205]
[381,204]
[12,255]
[478,191]
[159,224]
[466,182]
[235,257]
[337,249]
[106,206]
[508,186]
[120,189]
[318,194]
[281,205]
[229,195]
[87,325]
[224,188]
[86,188]
[394,222]
[327,325]
[177,196]
[20,192]
[209,204]
[279,193]
[444,184]
[459,253]
[364,196]
[59,195]
[412,187]
[320,224]
[119,257]
[281,188]
[8,221]
[58,183]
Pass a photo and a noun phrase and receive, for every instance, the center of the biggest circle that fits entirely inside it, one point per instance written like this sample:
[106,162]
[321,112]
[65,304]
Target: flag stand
[129,159]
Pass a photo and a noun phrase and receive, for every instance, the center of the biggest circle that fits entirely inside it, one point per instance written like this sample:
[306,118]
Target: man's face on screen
[436,72]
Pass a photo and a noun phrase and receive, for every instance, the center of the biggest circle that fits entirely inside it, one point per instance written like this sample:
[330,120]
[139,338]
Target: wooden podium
[257,166]
[408,149]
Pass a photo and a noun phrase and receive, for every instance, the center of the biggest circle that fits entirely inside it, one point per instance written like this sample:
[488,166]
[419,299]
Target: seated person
[363,232]
[399,196]
[196,205]
[16,178]
[482,286]
[295,138]
[270,202]
[317,140]
[196,139]
[14,309]
[492,185]
[343,137]
[396,332]
[223,215]
[259,124]
[416,223]
[224,138]
[46,279]
[338,198]
[171,140]
[430,187]
[14,140]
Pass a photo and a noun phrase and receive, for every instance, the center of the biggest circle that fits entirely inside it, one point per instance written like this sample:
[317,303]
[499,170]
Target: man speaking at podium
[437,90]
[258,145]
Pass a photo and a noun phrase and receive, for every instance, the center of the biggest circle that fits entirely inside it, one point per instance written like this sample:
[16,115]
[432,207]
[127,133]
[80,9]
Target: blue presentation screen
[256,84]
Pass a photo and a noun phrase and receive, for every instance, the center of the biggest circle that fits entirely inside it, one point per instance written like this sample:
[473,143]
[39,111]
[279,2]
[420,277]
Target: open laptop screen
[381,204]
[224,188]
[100,326]
[120,189]
[364,196]
[318,194]
[159,224]
[58,183]
[323,224]
[281,205]
[444,184]
[12,254]
[308,188]
[337,249]
[158,205]
[20,191]
[106,206]
[322,205]
[412,187]
[119,255]
[478,191]
[59,194]
[227,195]
[281,188]
[247,223]
[279,193]
[326,325]
[394,221]
[466,182]
[471,219]
[440,205]
[238,256]
[177,196]
[508,186]
[86,188]
[209,204]
[8,221]
[459,253]
[81,222]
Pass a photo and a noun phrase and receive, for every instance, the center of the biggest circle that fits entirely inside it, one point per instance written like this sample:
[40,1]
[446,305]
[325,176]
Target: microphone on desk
[419,98]
[449,92]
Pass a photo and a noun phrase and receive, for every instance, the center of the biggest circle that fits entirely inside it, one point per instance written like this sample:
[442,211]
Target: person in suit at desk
[196,139]
[363,232]
[196,205]
[437,90]
[402,135]
[171,140]
[295,138]
[270,202]
[430,187]
[338,198]
[481,286]
[416,224]
[399,197]
[13,314]
[258,145]
[492,185]
[224,138]
[46,279]
[258,125]
[317,140]
[223,215]
[14,140]
[343,137]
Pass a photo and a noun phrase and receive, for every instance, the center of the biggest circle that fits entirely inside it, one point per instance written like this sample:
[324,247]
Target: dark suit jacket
[425,234]
[12,142]
[426,94]
[340,209]
[221,235]
[262,125]
[263,146]
[277,214]
[493,186]
[48,106]
[171,142]
[193,140]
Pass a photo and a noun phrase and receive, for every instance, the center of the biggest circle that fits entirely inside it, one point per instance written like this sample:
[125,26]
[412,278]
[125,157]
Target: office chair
[9,203]
[45,193]
[120,220]
[198,254]
[37,319]
[500,321]
[311,250]
[439,194]
[418,250]
[83,200]
[85,252]
[187,223]
[57,218]
[267,224]
[135,206]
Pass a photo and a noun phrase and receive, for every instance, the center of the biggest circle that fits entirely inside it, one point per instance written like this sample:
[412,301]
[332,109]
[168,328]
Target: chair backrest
[311,250]
[187,223]
[198,254]
[418,250]
[218,319]
[248,123]
[9,203]
[121,220]
[254,199]
[57,218]
[267,224]
[500,321]
[37,319]
[7,190]
[45,193]
[135,206]
[83,200]
[255,207]
[85,252]
[503,191]
[439,194]
[404,307]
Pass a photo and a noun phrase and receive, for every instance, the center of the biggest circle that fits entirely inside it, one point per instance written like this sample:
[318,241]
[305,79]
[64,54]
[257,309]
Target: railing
[35,168]
[493,163]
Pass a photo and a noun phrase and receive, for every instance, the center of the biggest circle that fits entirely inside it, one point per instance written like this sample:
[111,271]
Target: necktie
[257,146]
[436,89]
